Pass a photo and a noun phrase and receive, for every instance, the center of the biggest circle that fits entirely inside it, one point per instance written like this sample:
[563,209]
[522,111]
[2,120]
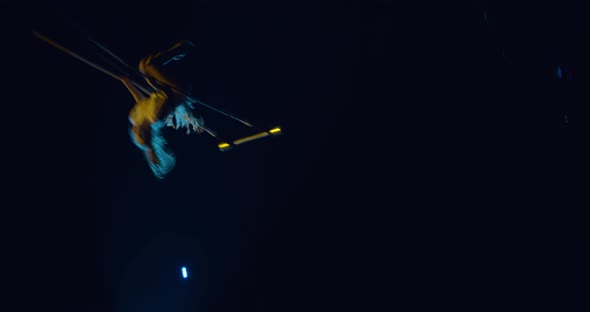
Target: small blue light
[184,273]
[558,72]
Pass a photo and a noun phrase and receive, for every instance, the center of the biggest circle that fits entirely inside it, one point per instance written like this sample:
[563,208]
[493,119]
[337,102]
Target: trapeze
[160,104]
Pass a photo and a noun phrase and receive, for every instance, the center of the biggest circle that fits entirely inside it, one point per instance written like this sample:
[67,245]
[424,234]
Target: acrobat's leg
[152,65]
[137,95]
[175,53]
[153,71]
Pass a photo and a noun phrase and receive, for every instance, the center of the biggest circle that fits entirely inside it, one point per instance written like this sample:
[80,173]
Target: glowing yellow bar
[274,130]
[226,146]
[223,145]
[251,138]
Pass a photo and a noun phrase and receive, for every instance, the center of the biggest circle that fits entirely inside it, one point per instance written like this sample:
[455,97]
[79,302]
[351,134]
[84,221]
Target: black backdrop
[426,159]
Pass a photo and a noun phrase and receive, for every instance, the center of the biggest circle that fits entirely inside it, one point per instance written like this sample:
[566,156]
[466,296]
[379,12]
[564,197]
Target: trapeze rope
[175,90]
[63,49]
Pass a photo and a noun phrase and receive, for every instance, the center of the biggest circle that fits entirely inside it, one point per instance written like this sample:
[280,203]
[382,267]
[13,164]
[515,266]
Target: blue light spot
[558,72]
[565,119]
[184,273]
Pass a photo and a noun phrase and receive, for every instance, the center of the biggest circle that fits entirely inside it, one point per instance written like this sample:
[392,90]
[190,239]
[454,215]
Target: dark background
[425,161]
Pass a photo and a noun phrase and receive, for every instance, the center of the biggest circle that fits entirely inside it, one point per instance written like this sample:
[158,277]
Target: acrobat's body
[165,106]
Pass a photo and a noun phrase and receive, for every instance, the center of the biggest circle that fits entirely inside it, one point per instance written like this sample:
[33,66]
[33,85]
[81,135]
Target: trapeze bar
[224,146]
